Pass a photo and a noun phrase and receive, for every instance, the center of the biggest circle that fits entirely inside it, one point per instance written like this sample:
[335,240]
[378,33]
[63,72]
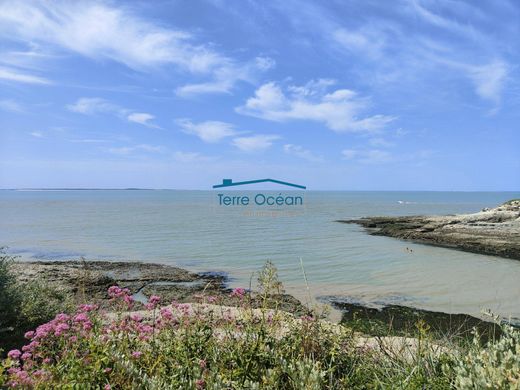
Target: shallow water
[189,229]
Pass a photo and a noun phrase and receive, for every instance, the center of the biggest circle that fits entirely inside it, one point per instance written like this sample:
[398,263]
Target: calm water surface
[188,229]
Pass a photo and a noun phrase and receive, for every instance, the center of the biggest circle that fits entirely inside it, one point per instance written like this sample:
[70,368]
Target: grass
[207,346]
[25,305]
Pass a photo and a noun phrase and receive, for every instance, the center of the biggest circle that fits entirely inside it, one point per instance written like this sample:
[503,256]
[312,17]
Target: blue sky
[347,95]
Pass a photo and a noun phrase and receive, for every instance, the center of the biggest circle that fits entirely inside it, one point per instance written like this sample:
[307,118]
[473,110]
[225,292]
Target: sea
[316,257]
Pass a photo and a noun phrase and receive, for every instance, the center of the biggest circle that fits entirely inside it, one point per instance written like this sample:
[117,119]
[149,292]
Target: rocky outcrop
[493,232]
[403,320]
[88,281]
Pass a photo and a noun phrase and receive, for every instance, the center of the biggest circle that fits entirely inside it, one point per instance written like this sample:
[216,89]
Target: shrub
[496,366]
[10,295]
[24,306]
[201,346]
[204,346]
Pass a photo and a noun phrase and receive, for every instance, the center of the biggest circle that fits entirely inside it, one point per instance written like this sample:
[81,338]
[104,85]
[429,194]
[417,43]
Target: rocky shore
[88,281]
[402,320]
[493,232]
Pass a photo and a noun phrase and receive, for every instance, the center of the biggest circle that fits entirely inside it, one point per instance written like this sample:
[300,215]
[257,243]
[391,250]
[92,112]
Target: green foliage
[199,346]
[268,281]
[24,306]
[40,303]
[10,295]
[496,366]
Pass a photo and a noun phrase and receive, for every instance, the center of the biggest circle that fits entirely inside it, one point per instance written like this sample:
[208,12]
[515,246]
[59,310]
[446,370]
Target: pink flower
[107,370]
[114,291]
[31,346]
[14,354]
[211,299]
[136,317]
[145,329]
[153,302]
[238,292]
[60,328]
[184,307]
[26,356]
[200,383]
[81,317]
[20,377]
[44,330]
[40,373]
[29,334]
[86,308]
[107,387]
[62,317]
[136,354]
[166,313]
[118,292]
[202,363]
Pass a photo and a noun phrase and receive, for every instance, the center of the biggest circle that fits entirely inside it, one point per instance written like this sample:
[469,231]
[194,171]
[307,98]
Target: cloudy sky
[350,95]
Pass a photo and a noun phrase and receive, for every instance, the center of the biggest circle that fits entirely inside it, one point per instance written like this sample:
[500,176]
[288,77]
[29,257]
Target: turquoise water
[188,229]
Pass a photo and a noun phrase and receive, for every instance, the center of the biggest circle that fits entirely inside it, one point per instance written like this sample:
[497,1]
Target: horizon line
[199,189]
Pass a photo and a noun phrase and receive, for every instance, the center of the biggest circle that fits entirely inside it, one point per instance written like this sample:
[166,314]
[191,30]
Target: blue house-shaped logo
[229,183]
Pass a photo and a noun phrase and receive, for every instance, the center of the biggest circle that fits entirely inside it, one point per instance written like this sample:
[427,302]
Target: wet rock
[88,281]
[493,232]
[402,320]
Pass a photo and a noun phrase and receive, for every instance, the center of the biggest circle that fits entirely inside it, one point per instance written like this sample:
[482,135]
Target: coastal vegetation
[25,305]
[252,344]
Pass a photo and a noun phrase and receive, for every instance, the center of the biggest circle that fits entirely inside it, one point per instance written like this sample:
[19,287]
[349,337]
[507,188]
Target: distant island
[80,189]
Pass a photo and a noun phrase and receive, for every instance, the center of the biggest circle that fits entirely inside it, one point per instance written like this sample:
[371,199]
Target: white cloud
[369,41]
[299,151]
[380,142]
[10,105]
[226,76]
[17,76]
[442,22]
[338,110]
[489,79]
[37,134]
[101,31]
[190,157]
[142,118]
[373,156]
[96,30]
[209,131]
[255,143]
[126,150]
[92,106]
[394,51]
